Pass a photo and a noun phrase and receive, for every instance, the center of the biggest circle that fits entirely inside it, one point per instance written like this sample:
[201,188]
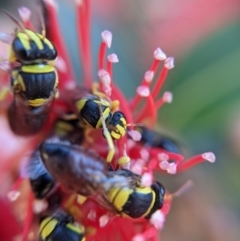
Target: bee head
[117,125]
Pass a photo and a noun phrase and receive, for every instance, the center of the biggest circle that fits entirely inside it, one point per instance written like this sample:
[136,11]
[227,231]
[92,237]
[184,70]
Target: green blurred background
[205,82]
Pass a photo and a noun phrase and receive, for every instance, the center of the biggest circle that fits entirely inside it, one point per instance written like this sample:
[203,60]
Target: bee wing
[101,199]
[6,38]
[35,166]
[119,179]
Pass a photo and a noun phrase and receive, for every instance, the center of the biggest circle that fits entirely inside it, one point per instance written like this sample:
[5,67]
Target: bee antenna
[13,19]
[131,124]
[42,25]
[183,189]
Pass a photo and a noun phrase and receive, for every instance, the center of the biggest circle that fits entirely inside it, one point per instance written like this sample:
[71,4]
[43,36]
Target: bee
[95,112]
[74,167]
[154,139]
[34,81]
[135,200]
[69,130]
[61,226]
[85,173]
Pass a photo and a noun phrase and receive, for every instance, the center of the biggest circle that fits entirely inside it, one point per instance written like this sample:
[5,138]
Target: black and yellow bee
[34,81]
[86,173]
[68,130]
[80,170]
[61,226]
[95,112]
[135,200]
[151,138]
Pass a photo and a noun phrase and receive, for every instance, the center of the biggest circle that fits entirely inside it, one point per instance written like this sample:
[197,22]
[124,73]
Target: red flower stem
[149,233]
[123,232]
[83,18]
[110,69]
[101,55]
[17,184]
[154,65]
[152,164]
[54,34]
[159,103]
[178,158]
[28,219]
[190,163]
[167,204]
[159,83]
[28,25]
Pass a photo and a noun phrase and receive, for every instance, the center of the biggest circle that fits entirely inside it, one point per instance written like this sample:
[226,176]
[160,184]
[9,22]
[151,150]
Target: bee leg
[109,139]
[95,91]
[69,117]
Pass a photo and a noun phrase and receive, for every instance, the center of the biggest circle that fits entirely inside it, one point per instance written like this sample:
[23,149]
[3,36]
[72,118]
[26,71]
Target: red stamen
[166,98]
[54,34]
[110,64]
[148,112]
[171,155]
[159,83]
[208,156]
[17,184]
[28,219]
[152,164]
[167,204]
[158,56]
[101,55]
[168,64]
[83,19]
[149,233]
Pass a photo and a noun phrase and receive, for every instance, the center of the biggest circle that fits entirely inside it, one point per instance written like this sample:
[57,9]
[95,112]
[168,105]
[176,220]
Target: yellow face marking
[115,135]
[47,226]
[105,114]
[37,102]
[123,120]
[37,68]
[118,133]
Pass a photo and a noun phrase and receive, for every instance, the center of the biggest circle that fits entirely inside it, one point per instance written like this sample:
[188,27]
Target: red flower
[145,156]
